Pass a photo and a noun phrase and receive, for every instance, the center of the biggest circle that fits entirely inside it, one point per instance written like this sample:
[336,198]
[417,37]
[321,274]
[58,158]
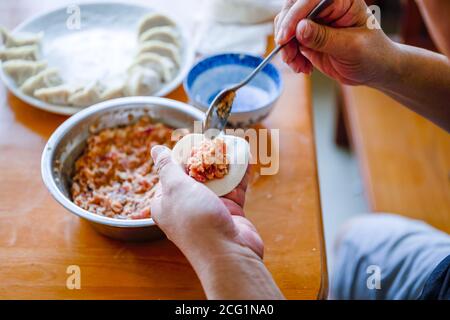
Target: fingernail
[283,34]
[307,30]
[277,36]
[156,150]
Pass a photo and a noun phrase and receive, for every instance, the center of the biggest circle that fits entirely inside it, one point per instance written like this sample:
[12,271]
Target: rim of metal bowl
[50,147]
[204,107]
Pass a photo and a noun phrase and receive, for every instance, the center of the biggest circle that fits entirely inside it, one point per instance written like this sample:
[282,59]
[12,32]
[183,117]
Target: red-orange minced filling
[208,161]
[115,176]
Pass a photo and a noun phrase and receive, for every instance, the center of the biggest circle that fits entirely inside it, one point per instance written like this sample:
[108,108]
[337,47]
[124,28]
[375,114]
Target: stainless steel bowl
[68,141]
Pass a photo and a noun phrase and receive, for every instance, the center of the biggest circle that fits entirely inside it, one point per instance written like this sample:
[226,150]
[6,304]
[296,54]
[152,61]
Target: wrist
[204,249]
[389,66]
[232,271]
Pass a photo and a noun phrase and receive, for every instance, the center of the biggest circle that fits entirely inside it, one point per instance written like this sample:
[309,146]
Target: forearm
[420,80]
[435,13]
[233,272]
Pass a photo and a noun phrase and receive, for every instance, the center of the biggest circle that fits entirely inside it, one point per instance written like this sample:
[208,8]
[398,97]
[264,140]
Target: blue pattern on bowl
[253,102]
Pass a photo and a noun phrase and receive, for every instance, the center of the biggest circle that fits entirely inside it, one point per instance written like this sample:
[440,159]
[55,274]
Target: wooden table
[404,158]
[39,239]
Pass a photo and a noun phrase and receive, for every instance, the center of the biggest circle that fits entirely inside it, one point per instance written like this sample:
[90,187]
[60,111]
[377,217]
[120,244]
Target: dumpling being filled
[21,70]
[13,41]
[153,20]
[164,49]
[220,163]
[20,53]
[55,95]
[85,96]
[46,78]
[165,34]
[162,65]
[142,82]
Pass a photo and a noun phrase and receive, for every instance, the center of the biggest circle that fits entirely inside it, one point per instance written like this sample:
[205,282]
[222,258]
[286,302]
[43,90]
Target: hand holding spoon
[220,108]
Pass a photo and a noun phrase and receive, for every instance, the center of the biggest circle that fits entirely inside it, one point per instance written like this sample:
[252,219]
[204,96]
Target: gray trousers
[384,256]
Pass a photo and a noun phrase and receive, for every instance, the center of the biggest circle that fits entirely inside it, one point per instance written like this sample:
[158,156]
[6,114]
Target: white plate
[103,47]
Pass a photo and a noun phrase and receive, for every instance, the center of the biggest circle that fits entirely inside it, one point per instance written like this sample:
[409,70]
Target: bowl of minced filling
[98,166]
[115,176]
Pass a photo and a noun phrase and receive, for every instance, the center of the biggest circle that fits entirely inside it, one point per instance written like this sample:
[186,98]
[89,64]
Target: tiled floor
[341,188]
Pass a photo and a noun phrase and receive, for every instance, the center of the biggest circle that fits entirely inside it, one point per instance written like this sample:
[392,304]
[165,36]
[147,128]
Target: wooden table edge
[324,284]
[356,141]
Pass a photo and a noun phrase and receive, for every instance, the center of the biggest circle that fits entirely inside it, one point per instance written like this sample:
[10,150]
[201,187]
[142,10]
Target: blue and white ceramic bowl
[253,102]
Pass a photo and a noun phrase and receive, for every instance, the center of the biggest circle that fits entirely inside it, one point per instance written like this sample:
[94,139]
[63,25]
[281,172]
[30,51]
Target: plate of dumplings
[65,60]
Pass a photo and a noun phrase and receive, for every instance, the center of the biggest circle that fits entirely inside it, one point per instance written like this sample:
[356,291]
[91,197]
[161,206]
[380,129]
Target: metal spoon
[220,108]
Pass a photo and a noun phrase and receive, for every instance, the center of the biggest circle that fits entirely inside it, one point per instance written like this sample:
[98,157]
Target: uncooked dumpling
[112,92]
[20,53]
[165,34]
[142,82]
[46,78]
[237,152]
[153,20]
[164,49]
[21,70]
[55,95]
[14,41]
[163,66]
[85,96]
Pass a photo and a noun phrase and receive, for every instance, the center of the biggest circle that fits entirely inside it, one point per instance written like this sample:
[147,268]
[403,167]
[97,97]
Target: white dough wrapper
[161,48]
[165,67]
[46,78]
[238,153]
[55,95]
[165,34]
[21,70]
[113,91]
[142,82]
[20,53]
[85,96]
[10,40]
[154,20]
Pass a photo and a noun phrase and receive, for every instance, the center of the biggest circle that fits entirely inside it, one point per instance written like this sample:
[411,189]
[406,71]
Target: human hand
[340,44]
[195,219]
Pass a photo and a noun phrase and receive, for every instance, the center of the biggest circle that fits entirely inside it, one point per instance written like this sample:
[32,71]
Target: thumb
[170,173]
[319,37]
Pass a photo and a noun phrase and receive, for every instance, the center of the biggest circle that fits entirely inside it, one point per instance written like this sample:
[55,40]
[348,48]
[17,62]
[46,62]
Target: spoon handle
[313,14]
[259,67]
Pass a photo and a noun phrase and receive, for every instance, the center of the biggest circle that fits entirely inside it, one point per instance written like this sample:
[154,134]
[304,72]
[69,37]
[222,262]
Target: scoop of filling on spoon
[225,104]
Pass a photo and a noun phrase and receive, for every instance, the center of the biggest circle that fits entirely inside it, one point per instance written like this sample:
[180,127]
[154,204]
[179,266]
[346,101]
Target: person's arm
[420,80]
[352,53]
[436,14]
[222,246]
[231,272]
